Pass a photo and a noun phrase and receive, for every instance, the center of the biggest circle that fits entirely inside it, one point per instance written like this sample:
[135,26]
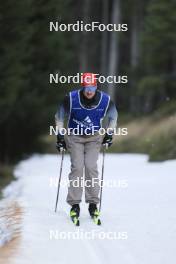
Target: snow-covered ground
[138,214]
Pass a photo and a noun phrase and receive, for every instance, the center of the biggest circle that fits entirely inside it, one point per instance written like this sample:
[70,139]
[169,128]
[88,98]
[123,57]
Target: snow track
[140,211]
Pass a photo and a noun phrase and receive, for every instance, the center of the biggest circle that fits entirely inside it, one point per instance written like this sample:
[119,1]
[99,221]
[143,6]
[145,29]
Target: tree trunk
[134,62]
[137,14]
[114,47]
[104,40]
[83,65]
[134,42]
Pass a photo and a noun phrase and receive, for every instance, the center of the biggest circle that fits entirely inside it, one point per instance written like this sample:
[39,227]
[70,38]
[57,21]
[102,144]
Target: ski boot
[94,213]
[74,214]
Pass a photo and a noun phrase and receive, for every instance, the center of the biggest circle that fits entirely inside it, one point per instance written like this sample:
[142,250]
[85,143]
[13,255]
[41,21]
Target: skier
[85,110]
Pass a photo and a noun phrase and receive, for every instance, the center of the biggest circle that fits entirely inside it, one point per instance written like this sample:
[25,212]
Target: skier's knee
[77,168]
[90,166]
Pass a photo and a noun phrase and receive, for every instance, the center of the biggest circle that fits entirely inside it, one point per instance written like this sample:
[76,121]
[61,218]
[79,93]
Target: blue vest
[85,119]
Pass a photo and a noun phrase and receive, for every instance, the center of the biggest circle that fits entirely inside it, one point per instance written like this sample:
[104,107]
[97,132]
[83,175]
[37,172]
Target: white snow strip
[142,213]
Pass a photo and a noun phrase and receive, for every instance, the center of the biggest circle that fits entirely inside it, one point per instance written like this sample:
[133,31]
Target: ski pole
[102,175]
[62,151]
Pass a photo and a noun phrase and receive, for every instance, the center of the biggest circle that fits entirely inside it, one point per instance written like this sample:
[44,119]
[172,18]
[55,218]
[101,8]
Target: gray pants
[84,155]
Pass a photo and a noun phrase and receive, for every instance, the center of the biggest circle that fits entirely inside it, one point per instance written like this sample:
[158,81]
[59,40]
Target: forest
[30,51]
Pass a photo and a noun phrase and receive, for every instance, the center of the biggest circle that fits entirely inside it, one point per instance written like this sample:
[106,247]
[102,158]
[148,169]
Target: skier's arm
[60,116]
[62,113]
[112,116]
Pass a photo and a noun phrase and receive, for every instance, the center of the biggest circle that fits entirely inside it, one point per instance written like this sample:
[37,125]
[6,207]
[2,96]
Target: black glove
[107,140]
[60,144]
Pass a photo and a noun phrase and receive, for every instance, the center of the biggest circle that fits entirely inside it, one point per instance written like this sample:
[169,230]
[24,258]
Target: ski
[76,221]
